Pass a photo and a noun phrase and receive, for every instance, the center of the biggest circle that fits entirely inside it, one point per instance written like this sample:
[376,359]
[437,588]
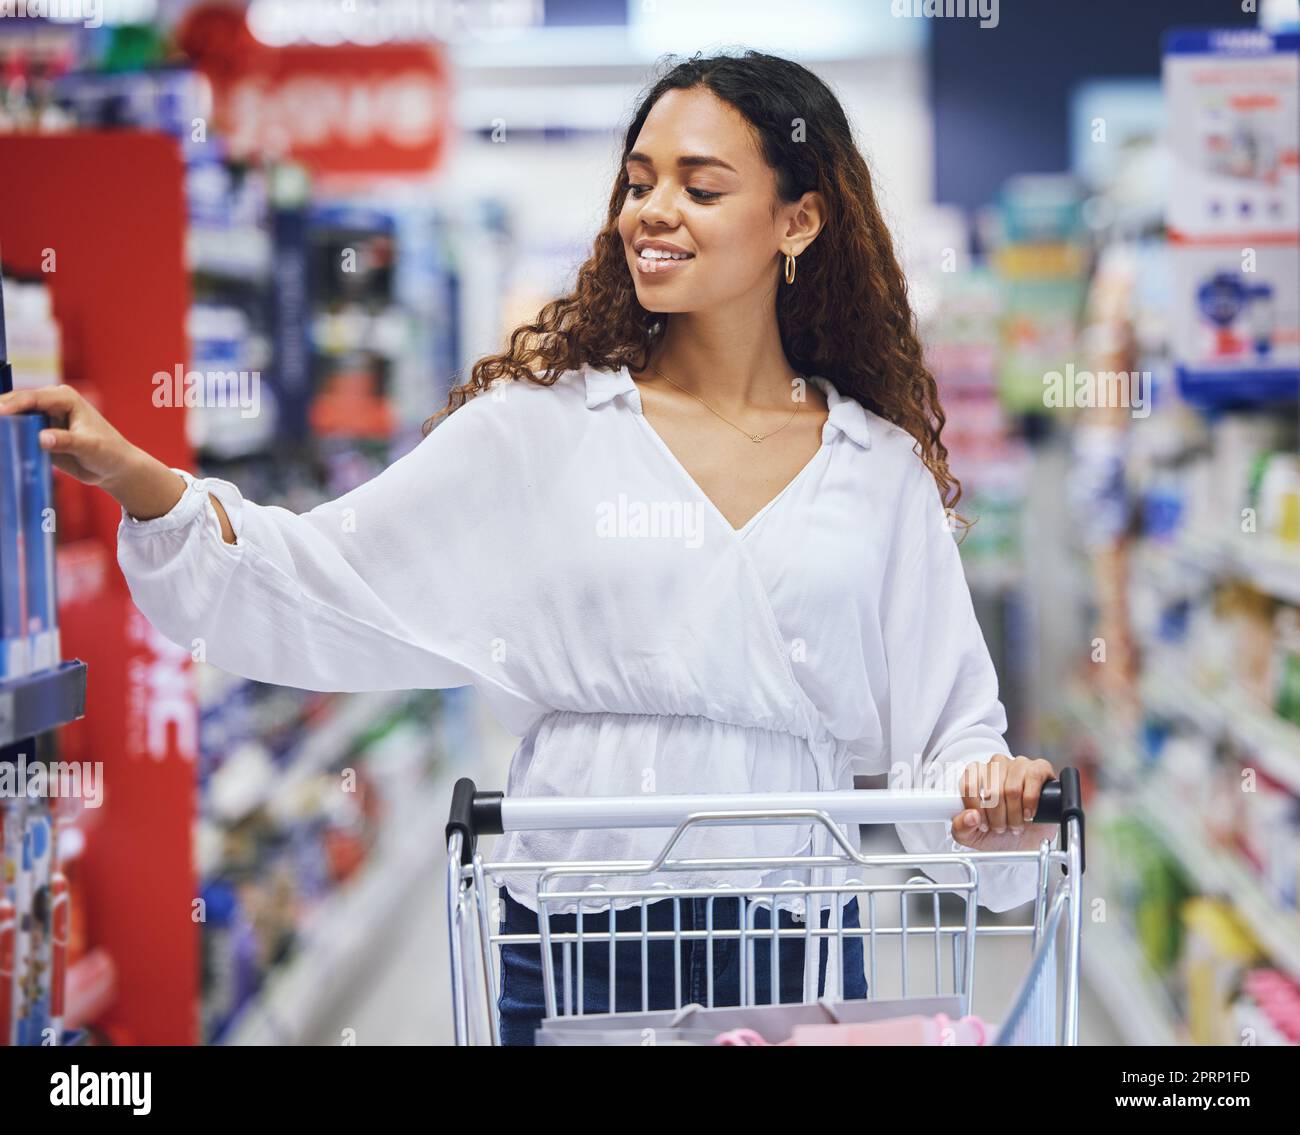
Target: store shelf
[1269,565]
[35,704]
[1119,754]
[336,737]
[1220,873]
[1274,742]
[240,254]
[1114,968]
[241,786]
[341,934]
[1248,386]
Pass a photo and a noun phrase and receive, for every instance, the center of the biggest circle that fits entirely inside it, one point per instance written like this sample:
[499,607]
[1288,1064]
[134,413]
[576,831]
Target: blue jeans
[522,1003]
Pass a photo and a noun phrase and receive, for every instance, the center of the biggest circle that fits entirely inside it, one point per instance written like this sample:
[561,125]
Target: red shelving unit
[101,217]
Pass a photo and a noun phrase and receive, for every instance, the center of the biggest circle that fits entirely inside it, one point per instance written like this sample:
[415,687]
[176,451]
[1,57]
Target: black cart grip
[473,813]
[1060,801]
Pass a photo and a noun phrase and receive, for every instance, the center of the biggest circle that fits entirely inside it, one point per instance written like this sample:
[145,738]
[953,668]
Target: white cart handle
[475,813]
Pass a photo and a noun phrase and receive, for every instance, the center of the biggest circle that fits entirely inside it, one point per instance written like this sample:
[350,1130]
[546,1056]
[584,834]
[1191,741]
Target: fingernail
[47,440]
[1018,831]
[1029,819]
[1000,829]
[972,821]
[983,826]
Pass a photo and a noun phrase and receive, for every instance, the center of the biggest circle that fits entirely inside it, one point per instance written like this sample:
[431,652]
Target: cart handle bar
[475,813]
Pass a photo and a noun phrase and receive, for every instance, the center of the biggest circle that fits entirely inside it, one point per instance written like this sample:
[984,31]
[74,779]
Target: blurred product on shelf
[1041,260]
[36,502]
[1217,953]
[32,69]
[961,339]
[1267,1009]
[1233,215]
[230,410]
[42,903]
[289,851]
[32,337]
[29,355]
[33,958]
[170,99]
[14,659]
[28,599]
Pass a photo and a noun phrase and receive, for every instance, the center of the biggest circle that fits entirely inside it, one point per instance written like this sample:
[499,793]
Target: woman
[689,533]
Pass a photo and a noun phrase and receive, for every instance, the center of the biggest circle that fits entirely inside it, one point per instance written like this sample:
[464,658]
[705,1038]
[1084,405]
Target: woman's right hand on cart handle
[1000,797]
[85,445]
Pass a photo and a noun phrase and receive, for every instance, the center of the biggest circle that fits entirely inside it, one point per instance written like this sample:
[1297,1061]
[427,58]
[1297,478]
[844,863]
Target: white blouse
[545,546]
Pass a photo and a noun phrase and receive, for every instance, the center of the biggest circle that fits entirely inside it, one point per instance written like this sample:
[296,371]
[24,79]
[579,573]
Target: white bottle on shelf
[33,336]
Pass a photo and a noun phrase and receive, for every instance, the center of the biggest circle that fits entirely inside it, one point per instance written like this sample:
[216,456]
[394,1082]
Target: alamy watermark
[655,520]
[88,13]
[1111,389]
[75,1088]
[219,388]
[68,780]
[986,11]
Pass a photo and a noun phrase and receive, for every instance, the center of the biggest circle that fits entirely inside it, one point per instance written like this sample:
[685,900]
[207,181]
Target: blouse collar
[845,414]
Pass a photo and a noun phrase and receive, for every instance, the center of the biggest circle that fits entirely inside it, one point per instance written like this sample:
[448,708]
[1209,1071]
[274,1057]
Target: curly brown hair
[847,319]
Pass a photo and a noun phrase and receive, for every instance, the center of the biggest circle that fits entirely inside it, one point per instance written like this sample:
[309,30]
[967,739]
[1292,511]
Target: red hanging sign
[346,110]
[340,110]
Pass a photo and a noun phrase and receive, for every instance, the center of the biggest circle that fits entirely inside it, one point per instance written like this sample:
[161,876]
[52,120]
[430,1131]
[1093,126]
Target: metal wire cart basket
[926,949]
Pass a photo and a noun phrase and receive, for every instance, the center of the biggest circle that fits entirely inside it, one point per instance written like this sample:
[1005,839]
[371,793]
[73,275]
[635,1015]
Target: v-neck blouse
[543,545]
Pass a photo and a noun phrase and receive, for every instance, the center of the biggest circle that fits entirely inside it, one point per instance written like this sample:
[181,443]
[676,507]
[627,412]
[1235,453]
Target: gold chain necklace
[752,437]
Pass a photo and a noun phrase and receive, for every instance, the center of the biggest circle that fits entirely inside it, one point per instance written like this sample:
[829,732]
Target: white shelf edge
[1257,728]
[1277,930]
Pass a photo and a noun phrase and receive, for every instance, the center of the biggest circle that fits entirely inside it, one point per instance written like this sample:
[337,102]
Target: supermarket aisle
[405,1000]
[404,997]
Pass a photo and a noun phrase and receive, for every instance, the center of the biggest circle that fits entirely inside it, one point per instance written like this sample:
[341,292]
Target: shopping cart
[1043,1011]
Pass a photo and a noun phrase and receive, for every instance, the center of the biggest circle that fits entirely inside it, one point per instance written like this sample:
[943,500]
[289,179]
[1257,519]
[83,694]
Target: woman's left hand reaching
[1000,799]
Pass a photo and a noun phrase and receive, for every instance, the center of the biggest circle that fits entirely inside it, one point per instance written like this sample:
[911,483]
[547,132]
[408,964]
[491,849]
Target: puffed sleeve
[378,589]
[943,705]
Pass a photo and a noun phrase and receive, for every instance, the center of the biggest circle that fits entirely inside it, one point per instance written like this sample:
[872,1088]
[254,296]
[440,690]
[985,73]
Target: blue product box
[36,495]
[13,615]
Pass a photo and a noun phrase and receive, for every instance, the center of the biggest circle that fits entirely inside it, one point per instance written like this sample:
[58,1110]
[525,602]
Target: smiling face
[697,223]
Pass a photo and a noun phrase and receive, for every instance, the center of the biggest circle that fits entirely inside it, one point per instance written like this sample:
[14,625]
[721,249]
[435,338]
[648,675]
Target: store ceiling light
[824,29]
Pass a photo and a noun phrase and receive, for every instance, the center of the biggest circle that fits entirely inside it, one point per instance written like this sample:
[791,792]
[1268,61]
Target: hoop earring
[789,268]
